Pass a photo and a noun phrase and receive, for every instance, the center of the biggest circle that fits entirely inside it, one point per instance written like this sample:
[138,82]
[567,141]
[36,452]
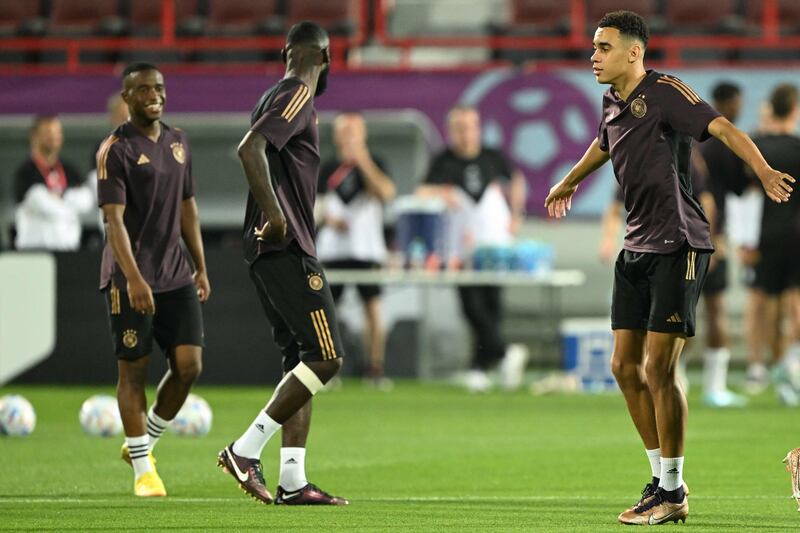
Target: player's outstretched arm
[776,184]
[140,295]
[252,154]
[190,231]
[559,201]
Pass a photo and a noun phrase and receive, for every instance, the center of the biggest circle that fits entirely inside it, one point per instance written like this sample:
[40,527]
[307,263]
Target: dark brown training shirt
[286,117]
[649,140]
[151,179]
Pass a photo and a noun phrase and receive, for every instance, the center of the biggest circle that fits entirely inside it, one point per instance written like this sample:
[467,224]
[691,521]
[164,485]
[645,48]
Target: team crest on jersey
[178,152]
[129,338]
[638,108]
[315,281]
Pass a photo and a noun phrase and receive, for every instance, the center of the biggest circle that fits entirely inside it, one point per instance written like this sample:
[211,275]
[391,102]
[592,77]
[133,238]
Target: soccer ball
[99,416]
[194,418]
[17,417]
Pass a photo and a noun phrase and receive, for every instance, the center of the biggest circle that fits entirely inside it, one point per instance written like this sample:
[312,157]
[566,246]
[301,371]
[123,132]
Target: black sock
[675,496]
[655,482]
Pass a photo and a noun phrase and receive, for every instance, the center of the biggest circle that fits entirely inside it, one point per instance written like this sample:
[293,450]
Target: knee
[325,370]
[188,371]
[627,373]
[659,371]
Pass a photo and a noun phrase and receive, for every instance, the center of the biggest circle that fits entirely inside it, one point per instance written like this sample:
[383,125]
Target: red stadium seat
[543,17]
[788,15]
[339,17]
[145,17]
[244,17]
[84,17]
[703,16]
[20,17]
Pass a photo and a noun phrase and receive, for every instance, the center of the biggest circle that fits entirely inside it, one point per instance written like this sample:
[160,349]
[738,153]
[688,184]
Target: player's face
[611,57]
[49,136]
[465,130]
[145,95]
[349,135]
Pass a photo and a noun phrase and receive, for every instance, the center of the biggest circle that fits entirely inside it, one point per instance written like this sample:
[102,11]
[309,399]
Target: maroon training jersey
[286,117]
[151,179]
[649,140]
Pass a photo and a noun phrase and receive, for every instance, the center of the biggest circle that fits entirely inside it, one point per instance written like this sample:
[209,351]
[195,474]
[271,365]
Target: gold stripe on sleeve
[102,157]
[299,105]
[679,89]
[293,101]
[685,86]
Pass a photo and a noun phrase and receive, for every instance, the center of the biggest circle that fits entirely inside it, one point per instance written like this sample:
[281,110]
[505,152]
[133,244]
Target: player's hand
[338,224]
[749,256]
[559,201]
[203,286]
[776,184]
[140,296]
[273,230]
[607,250]
[515,224]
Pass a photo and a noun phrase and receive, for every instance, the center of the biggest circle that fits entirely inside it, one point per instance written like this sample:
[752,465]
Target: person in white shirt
[353,191]
[50,194]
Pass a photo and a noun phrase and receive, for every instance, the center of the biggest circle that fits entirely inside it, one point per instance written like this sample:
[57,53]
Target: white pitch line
[390,499]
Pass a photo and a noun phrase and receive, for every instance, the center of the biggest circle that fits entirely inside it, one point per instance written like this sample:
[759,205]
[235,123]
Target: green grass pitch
[421,458]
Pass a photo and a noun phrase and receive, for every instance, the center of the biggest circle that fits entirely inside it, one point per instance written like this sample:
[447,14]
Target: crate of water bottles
[587,344]
[531,257]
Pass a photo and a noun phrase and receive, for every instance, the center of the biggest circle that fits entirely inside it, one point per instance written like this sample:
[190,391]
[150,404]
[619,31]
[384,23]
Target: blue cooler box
[587,346]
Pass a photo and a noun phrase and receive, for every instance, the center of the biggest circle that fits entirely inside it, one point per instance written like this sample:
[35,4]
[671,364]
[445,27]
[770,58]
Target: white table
[551,283]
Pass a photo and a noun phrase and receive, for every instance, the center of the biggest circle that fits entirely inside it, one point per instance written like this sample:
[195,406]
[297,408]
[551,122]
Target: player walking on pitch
[146,191]
[648,122]
[280,157]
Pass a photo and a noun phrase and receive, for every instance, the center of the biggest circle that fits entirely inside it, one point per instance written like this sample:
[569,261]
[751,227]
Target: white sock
[138,448]
[671,473]
[715,370]
[252,441]
[655,461]
[293,469]
[155,427]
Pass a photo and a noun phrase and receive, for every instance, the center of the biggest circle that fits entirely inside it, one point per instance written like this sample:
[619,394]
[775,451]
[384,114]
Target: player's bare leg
[375,342]
[717,357]
[627,364]
[663,353]
[132,404]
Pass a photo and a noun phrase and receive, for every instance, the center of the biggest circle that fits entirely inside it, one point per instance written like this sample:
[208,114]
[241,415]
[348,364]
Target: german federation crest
[129,338]
[178,152]
[638,108]
[315,282]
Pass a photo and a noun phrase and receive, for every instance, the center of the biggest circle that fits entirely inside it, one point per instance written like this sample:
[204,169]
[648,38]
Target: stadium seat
[76,18]
[339,17]
[706,16]
[245,17]
[788,16]
[145,17]
[595,9]
[537,17]
[21,18]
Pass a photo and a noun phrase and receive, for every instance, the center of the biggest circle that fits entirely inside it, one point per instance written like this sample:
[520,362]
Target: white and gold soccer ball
[17,417]
[194,418]
[99,416]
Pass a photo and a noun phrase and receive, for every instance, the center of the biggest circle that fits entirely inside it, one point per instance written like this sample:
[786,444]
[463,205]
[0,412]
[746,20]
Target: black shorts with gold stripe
[299,305]
[178,320]
[658,292]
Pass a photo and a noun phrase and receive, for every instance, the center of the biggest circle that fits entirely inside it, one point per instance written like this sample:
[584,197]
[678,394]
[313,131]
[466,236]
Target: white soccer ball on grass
[99,416]
[194,419]
[17,417]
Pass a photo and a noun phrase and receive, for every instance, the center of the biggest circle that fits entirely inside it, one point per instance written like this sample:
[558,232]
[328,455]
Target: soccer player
[647,124]
[355,188]
[146,191]
[280,158]
[726,174]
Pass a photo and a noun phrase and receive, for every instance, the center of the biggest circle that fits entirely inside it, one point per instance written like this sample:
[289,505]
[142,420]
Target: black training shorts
[658,292]
[777,270]
[299,305]
[716,279]
[366,291]
[178,320]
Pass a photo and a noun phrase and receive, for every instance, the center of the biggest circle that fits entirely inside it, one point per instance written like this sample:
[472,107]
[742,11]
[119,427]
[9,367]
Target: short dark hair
[628,23]
[40,119]
[306,33]
[783,100]
[725,91]
[137,67]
